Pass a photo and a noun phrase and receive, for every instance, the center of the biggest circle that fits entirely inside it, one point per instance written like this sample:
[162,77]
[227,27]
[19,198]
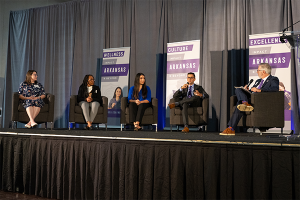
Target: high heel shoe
[27,126]
[34,125]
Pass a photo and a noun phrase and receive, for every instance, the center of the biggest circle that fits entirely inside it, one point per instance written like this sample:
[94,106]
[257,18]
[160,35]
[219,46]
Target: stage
[99,164]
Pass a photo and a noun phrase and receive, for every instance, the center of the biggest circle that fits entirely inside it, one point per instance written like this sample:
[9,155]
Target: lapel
[268,79]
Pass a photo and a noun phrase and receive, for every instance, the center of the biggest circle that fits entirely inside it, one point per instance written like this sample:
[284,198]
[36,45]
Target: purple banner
[276,60]
[113,54]
[180,48]
[264,41]
[115,70]
[287,115]
[182,66]
[114,112]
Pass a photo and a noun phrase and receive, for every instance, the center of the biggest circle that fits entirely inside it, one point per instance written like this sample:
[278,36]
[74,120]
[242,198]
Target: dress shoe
[228,131]
[91,128]
[87,128]
[245,107]
[185,130]
[171,105]
[34,125]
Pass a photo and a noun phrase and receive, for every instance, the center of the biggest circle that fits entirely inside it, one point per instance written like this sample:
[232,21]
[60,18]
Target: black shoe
[86,128]
[91,128]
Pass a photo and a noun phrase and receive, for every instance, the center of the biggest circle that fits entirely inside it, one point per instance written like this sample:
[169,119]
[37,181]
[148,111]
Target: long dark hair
[85,79]
[136,89]
[116,91]
[28,76]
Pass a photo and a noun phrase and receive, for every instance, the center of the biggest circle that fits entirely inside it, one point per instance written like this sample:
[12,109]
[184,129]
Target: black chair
[197,116]
[268,111]
[150,115]
[76,114]
[19,113]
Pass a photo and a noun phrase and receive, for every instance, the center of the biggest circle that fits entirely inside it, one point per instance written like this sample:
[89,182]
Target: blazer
[183,93]
[270,85]
[83,94]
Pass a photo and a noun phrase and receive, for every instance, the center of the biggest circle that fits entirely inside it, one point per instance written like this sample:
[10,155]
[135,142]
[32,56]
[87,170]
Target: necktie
[190,92]
[261,83]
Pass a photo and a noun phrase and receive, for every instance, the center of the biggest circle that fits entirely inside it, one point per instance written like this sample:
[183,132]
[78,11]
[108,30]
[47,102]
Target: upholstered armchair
[197,116]
[268,111]
[150,115]
[19,113]
[76,114]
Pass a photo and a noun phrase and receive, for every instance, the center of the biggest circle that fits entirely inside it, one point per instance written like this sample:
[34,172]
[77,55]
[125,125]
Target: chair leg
[281,130]
[155,127]
[46,125]
[51,125]
[177,128]
[106,127]
[121,127]
[203,128]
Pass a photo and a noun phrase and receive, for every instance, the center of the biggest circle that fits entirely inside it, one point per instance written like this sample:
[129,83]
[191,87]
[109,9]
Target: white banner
[114,80]
[267,48]
[182,58]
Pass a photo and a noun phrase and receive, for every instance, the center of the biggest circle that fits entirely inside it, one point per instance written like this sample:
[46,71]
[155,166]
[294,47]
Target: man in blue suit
[266,83]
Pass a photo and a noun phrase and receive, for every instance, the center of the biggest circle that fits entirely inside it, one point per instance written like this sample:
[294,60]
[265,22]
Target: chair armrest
[124,102]
[51,100]
[105,107]
[233,102]
[172,111]
[205,108]
[155,109]
[268,106]
[15,105]
[73,101]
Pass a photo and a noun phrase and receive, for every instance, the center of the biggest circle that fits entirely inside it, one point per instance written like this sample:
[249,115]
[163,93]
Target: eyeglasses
[259,70]
[190,77]
[91,80]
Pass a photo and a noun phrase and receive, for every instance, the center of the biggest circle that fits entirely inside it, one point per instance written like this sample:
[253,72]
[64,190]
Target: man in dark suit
[266,83]
[191,95]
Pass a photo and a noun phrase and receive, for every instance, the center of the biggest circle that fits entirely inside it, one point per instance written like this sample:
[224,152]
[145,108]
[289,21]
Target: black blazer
[270,85]
[83,94]
[183,93]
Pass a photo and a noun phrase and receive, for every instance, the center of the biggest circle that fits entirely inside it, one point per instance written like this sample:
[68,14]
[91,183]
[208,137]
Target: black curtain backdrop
[68,168]
[63,43]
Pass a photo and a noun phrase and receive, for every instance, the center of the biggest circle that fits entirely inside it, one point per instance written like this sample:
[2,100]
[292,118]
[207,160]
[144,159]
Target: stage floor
[266,139]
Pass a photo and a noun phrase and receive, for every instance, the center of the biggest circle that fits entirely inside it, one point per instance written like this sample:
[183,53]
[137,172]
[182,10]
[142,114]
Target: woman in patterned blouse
[32,94]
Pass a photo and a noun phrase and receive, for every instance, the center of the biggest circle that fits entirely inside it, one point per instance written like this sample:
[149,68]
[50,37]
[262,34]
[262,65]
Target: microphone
[250,82]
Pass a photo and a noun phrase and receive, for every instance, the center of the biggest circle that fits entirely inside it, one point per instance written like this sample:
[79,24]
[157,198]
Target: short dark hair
[192,74]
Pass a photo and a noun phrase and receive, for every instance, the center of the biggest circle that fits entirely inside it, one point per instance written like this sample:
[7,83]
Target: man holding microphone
[188,95]
[266,83]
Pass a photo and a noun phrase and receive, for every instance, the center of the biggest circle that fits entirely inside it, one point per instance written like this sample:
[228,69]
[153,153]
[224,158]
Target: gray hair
[266,67]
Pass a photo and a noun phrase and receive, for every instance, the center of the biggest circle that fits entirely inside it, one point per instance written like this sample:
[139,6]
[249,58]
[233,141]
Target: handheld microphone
[250,82]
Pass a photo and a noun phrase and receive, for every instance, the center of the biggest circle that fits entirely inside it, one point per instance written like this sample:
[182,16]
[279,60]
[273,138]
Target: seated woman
[139,98]
[89,96]
[115,102]
[32,94]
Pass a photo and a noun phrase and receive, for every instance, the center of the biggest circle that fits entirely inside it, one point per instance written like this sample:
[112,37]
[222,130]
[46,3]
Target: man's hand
[113,105]
[255,89]
[184,86]
[246,87]
[197,93]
